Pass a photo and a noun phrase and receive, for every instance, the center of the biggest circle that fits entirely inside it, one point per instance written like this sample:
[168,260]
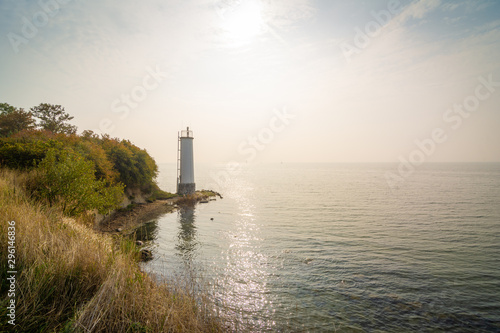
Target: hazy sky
[263,80]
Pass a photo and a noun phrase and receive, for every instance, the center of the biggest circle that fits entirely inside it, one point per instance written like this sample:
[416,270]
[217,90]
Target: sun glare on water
[243,21]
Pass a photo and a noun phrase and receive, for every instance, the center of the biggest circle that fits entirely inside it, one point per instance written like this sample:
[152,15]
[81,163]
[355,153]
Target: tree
[136,168]
[13,120]
[53,118]
[6,108]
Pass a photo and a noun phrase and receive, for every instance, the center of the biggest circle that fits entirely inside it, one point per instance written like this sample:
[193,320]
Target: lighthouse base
[183,189]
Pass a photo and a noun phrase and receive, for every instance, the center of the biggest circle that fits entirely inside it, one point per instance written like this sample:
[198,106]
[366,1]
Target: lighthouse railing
[178,161]
[186,134]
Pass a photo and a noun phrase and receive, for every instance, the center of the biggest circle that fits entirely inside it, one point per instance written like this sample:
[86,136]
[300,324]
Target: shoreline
[126,220]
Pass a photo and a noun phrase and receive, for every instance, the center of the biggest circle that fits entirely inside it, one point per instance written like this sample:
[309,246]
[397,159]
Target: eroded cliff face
[131,196]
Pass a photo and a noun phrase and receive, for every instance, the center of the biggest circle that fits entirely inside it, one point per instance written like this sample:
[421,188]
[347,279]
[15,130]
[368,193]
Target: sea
[335,248]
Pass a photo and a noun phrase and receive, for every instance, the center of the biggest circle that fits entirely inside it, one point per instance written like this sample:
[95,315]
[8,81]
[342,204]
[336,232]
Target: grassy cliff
[70,278]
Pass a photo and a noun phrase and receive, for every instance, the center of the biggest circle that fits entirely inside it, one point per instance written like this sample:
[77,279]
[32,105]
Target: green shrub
[66,178]
[21,154]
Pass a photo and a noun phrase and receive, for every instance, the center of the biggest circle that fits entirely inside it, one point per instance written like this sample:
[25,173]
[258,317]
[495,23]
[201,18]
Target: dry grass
[73,279]
[188,200]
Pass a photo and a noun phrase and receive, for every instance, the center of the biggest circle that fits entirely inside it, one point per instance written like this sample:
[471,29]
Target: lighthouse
[185,163]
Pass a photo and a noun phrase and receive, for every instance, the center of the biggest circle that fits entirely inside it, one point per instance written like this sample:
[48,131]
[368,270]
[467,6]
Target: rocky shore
[126,220]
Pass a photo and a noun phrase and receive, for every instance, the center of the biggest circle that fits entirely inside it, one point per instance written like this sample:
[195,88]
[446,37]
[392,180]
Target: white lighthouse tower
[185,163]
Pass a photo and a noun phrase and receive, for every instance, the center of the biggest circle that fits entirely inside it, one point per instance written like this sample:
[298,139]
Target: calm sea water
[297,247]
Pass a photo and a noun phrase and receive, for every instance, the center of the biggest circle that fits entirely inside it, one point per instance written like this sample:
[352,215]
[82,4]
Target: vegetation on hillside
[69,277]
[80,172]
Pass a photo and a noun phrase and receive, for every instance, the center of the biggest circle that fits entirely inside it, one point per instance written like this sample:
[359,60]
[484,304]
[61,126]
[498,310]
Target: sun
[243,21]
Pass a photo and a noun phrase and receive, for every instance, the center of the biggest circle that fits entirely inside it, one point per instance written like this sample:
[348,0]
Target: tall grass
[72,279]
